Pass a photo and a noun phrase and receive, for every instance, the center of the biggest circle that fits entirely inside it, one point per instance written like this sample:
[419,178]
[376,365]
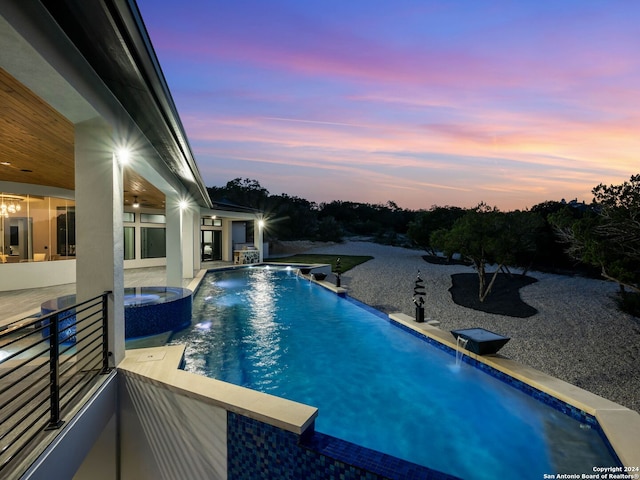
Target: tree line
[601,238]
[294,218]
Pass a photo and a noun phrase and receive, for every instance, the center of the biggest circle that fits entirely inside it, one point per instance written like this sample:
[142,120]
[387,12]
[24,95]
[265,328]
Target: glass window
[154,243]
[129,243]
[66,229]
[34,227]
[212,222]
[129,217]
[152,218]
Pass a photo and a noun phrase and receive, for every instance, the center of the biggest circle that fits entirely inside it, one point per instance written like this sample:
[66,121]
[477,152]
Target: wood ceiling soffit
[33,137]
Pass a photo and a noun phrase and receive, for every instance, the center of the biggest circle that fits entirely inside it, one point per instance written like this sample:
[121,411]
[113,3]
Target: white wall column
[175,242]
[227,240]
[99,231]
[197,238]
[188,255]
[258,234]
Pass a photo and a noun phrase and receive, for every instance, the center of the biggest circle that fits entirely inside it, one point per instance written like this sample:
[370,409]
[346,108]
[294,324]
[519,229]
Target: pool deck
[18,304]
[620,424]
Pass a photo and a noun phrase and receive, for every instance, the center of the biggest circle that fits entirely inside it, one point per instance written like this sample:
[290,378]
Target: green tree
[329,230]
[550,253]
[522,238]
[292,218]
[486,236]
[608,235]
[244,192]
[426,222]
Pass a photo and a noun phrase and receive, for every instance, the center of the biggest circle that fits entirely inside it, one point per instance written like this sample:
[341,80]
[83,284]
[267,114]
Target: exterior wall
[239,232]
[70,449]
[164,435]
[101,463]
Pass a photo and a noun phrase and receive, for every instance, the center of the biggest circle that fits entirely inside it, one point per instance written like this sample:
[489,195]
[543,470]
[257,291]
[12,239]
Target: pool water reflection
[375,384]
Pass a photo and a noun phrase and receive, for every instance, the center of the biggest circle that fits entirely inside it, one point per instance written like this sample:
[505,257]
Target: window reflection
[36,228]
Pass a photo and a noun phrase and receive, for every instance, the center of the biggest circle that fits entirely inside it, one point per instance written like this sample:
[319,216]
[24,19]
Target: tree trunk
[481,280]
[631,287]
[485,293]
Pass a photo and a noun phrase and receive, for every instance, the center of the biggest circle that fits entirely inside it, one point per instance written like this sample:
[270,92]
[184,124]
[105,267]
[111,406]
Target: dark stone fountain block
[481,341]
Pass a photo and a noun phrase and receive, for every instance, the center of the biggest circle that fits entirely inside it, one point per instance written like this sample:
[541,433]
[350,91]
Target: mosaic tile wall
[171,312]
[260,451]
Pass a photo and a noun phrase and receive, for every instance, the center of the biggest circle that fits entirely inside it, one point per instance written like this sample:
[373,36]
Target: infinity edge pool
[619,424]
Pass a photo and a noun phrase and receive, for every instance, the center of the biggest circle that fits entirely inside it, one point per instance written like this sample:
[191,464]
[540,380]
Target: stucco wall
[167,436]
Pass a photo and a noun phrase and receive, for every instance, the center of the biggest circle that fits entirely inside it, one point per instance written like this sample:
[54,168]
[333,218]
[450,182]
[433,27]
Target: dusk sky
[421,102]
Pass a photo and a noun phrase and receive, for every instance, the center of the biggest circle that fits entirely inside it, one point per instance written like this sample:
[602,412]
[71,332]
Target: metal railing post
[54,374]
[105,333]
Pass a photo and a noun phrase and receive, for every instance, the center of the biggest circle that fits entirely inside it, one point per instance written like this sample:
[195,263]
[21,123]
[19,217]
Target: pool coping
[161,366]
[620,424]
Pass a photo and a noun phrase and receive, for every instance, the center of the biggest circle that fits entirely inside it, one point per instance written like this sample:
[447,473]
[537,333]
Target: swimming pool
[377,385]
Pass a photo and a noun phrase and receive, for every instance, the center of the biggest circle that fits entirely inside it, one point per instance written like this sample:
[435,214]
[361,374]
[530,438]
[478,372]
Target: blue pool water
[375,384]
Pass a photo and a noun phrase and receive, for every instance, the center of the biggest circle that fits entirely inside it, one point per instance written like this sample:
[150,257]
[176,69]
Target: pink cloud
[525,102]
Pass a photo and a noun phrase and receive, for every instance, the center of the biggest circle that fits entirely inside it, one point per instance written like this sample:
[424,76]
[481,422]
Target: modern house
[97,176]
[95,165]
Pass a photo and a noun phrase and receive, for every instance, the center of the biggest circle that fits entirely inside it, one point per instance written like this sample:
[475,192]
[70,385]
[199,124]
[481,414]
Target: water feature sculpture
[418,298]
[338,272]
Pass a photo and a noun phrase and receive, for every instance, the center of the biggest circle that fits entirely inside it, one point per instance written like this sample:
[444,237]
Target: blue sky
[419,102]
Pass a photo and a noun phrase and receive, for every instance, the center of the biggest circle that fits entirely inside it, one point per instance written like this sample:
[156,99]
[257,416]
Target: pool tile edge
[620,424]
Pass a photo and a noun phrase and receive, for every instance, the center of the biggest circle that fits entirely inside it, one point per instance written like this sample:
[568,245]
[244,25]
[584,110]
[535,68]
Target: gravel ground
[578,335]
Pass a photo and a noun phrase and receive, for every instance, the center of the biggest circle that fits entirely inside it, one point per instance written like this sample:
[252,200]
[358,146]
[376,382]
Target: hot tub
[147,311]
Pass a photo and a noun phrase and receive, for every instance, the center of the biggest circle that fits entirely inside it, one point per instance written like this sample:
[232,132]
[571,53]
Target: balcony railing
[46,364]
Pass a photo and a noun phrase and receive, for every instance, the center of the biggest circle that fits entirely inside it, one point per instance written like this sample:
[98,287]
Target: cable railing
[46,363]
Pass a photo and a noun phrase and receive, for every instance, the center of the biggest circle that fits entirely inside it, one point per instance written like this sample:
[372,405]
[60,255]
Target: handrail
[45,364]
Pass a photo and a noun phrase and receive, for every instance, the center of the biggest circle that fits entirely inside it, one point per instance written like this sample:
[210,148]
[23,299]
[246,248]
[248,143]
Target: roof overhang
[111,37]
